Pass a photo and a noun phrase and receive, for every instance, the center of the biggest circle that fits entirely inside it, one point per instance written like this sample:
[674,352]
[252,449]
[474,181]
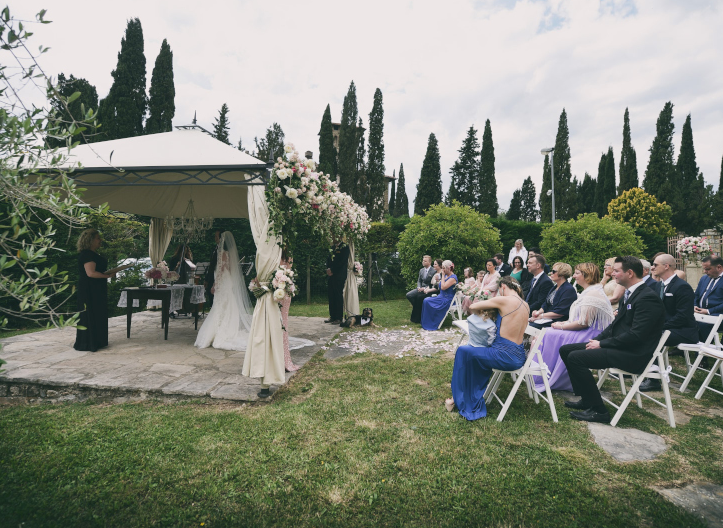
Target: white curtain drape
[159,236]
[351,290]
[265,352]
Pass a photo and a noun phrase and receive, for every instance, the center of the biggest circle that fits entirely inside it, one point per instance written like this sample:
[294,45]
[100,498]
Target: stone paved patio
[44,365]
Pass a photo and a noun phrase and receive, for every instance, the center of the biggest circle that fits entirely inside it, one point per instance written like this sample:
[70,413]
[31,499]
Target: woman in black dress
[92,293]
[184,270]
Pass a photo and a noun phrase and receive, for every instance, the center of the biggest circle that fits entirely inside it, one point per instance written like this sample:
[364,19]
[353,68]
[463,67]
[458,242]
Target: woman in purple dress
[434,309]
[589,316]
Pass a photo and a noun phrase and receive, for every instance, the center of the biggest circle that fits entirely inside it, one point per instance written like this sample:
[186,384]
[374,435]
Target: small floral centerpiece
[692,249]
[298,192]
[161,273]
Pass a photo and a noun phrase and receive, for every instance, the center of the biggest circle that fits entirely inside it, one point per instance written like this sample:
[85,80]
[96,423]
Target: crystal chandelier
[188,227]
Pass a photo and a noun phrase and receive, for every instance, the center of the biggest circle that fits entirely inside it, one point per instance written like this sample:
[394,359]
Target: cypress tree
[572,198]
[465,173]
[348,143]
[75,110]
[375,161]
[429,188]
[609,185]
[122,112]
[661,167]
[599,202]
[327,152]
[221,126]
[487,181]
[564,197]
[393,194]
[587,195]
[401,207]
[690,214]
[271,146]
[528,195]
[361,186]
[161,103]
[628,159]
[515,210]
[545,198]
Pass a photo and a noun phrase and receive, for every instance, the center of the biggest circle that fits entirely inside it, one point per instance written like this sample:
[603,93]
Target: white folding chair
[464,326]
[716,354]
[455,309]
[534,366]
[655,373]
[687,348]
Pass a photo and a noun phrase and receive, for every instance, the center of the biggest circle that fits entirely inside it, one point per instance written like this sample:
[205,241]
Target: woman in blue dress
[434,309]
[473,364]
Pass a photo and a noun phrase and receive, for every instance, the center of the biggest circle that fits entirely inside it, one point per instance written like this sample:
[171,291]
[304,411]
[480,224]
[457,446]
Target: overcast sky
[441,66]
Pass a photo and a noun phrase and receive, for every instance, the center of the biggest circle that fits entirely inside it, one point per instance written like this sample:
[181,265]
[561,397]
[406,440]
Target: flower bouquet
[280,284]
[358,269]
[161,273]
[692,249]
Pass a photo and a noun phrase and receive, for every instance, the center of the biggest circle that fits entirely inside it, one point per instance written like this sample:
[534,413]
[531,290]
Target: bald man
[679,300]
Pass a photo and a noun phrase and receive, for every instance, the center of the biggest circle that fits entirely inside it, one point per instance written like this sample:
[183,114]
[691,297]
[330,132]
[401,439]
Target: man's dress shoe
[590,415]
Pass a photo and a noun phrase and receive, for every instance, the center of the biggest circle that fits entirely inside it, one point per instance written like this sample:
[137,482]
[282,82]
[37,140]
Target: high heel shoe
[449,404]
[292,368]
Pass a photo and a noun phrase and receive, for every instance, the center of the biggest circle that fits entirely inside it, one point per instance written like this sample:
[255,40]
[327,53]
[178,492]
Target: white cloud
[441,68]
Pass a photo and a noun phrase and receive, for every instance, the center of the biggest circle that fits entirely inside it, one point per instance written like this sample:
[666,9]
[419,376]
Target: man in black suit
[336,269]
[678,299]
[628,343]
[502,267]
[536,251]
[648,279]
[540,284]
[417,296]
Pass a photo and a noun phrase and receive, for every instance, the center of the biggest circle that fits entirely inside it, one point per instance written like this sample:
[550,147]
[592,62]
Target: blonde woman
[610,286]
[92,293]
[518,251]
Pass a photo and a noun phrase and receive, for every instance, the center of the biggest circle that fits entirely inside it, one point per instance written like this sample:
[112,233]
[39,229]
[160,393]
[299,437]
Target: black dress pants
[417,299]
[336,297]
[579,361]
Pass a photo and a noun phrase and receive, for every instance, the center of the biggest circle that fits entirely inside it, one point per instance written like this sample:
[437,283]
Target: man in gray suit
[417,296]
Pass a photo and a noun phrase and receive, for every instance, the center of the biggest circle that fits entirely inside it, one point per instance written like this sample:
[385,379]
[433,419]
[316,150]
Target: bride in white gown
[229,321]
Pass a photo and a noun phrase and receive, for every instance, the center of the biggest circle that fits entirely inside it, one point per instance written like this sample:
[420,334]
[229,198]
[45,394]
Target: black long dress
[92,304]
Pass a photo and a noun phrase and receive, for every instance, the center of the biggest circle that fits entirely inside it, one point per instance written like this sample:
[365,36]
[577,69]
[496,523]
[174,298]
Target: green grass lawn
[359,441]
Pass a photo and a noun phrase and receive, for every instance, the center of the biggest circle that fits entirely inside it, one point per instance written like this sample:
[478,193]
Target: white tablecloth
[198,295]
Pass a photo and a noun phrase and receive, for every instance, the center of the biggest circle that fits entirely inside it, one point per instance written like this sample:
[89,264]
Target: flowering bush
[693,248]
[297,192]
[280,284]
[161,272]
[641,210]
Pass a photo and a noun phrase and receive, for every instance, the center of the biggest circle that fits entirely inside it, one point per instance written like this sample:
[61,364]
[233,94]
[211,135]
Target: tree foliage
[487,182]
[122,112]
[68,113]
[361,186]
[375,160]
[691,213]
[528,205]
[515,210]
[327,152]
[392,194]
[661,167]
[641,210]
[464,186]
[221,125]
[271,146]
[628,159]
[545,191]
[565,195]
[162,100]
[429,187]
[401,207]
[586,195]
[589,239]
[348,143]
[458,233]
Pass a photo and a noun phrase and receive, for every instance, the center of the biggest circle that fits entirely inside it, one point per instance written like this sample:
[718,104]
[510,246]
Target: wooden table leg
[195,315]
[129,313]
[166,307]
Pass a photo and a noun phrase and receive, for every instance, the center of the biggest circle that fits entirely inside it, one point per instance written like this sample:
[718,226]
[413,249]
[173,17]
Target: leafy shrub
[457,233]
[511,230]
[641,210]
[589,239]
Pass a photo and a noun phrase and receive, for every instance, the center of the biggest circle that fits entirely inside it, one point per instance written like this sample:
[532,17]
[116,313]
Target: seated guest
[473,292]
[433,288]
[678,299]
[628,343]
[709,293]
[519,272]
[536,251]
[540,284]
[434,309]
[518,251]
[558,301]
[417,296]
[469,278]
[590,314]
[647,277]
[184,267]
[491,278]
[473,363]
[501,266]
[680,273]
[611,287]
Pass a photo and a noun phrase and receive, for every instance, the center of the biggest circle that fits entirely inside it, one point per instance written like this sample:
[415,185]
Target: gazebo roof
[156,175]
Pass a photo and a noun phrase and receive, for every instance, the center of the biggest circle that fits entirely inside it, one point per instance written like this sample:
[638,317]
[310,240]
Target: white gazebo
[158,175]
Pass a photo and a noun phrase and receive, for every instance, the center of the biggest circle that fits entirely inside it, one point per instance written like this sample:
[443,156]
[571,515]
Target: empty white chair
[657,373]
[687,348]
[715,353]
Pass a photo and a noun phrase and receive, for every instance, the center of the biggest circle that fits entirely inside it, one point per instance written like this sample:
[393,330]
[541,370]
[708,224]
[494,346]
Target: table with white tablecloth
[171,299]
[198,296]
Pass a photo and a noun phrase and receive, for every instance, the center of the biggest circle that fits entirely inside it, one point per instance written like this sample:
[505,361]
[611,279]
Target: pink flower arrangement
[161,272]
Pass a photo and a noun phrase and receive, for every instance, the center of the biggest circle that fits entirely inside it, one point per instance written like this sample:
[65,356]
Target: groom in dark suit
[540,284]
[628,343]
[417,296]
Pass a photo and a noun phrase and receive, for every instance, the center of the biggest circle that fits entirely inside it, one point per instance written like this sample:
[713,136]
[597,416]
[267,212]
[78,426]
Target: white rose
[298,201]
[279,295]
[289,148]
[291,193]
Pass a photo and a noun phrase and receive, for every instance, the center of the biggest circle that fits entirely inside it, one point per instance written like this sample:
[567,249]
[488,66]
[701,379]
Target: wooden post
[308,279]
[369,277]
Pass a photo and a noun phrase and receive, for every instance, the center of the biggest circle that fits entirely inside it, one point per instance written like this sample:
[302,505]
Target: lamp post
[551,152]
